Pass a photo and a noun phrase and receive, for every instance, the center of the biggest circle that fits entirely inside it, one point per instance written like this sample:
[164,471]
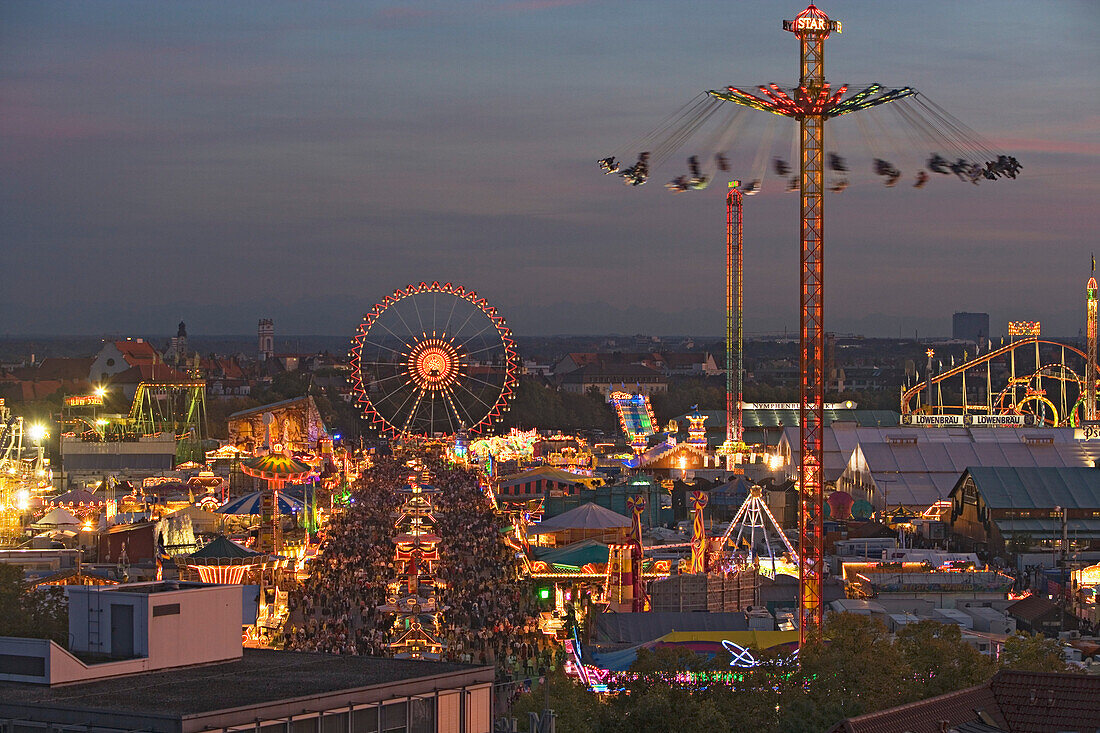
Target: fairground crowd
[488,614]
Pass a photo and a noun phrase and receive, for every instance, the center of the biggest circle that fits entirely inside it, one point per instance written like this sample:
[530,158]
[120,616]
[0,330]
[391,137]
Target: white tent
[201,520]
[588,516]
[57,518]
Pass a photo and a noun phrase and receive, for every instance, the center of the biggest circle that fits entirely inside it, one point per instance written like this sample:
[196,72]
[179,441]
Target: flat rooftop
[261,676]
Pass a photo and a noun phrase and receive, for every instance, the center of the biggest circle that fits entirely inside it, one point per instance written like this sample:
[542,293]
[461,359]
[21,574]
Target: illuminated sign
[846,405]
[1090,430]
[999,421]
[1024,328]
[84,400]
[923,421]
[968,421]
[811,23]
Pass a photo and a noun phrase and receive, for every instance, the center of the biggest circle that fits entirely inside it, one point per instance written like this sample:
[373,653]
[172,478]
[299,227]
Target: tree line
[861,669]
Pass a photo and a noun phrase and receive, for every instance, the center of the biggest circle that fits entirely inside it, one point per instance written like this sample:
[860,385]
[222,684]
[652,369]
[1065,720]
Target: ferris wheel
[432,360]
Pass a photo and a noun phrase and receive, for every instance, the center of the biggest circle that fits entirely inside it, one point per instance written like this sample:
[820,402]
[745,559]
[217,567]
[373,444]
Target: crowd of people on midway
[336,609]
[489,615]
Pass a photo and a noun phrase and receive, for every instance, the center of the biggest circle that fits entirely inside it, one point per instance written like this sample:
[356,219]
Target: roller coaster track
[1032,341]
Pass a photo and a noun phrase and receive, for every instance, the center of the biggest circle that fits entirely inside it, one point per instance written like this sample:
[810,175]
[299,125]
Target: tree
[654,702]
[38,613]
[940,660]
[1033,653]
[858,670]
[576,708]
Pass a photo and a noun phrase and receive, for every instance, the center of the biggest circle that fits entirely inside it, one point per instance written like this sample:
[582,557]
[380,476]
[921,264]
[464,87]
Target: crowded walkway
[489,615]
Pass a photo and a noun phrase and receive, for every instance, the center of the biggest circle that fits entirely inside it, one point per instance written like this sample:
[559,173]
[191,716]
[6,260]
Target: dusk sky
[221,162]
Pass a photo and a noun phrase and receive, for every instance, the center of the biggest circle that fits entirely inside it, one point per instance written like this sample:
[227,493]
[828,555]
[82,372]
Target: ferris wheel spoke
[492,347]
[408,329]
[487,384]
[492,324]
[416,308]
[474,310]
[391,363]
[450,422]
[404,343]
[455,402]
[475,396]
[414,393]
[394,376]
[412,412]
[383,346]
[447,325]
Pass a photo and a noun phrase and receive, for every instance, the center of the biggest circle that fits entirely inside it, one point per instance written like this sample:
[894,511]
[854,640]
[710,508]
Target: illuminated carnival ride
[1026,381]
[433,359]
[636,418]
[921,138]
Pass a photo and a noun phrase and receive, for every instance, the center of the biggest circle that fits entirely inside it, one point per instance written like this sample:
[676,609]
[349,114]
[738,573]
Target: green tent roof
[577,554]
[221,547]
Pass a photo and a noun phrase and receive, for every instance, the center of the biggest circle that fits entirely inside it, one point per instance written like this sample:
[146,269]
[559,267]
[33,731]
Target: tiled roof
[1015,701]
[926,716]
[72,369]
[1031,608]
[148,372]
[137,352]
[1041,702]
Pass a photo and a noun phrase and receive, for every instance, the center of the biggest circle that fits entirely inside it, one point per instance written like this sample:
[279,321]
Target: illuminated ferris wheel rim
[450,359]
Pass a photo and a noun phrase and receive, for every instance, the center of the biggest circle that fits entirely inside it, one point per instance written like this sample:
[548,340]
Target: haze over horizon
[218,163]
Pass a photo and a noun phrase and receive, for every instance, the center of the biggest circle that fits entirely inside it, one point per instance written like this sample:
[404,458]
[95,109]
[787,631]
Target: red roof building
[1012,701]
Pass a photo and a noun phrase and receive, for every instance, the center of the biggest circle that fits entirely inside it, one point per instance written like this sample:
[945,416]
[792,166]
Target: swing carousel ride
[921,137]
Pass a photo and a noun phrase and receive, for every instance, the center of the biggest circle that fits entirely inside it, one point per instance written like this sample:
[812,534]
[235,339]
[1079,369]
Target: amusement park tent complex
[250,504]
[542,481]
[916,467]
[912,469]
[586,516]
[991,505]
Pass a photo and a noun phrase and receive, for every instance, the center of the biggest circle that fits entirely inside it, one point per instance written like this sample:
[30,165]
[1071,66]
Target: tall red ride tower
[812,27]
[811,103]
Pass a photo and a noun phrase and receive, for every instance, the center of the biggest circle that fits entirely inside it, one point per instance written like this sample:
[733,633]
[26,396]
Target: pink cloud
[404,15]
[1043,145]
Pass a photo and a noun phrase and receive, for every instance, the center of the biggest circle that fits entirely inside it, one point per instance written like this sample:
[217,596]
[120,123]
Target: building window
[395,717]
[304,725]
[335,723]
[364,721]
[422,715]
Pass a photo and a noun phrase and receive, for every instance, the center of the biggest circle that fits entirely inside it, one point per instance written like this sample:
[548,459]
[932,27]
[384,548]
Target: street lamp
[37,433]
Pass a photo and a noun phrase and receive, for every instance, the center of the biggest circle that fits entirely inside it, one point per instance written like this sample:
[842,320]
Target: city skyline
[219,164]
